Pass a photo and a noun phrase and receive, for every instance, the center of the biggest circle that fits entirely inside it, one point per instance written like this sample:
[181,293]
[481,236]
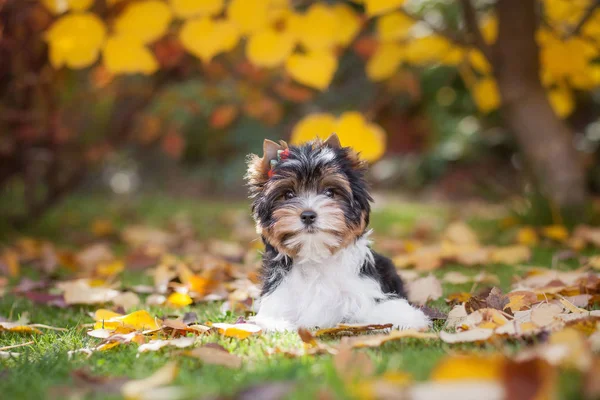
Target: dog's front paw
[268,324]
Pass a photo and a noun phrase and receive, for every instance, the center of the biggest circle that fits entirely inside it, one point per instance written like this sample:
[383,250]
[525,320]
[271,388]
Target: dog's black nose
[308,217]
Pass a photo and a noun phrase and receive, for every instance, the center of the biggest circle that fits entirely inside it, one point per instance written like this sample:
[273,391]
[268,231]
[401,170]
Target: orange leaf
[223,116]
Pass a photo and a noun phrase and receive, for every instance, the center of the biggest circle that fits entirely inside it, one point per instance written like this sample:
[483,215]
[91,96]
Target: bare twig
[14,346]
[472,26]
[586,16]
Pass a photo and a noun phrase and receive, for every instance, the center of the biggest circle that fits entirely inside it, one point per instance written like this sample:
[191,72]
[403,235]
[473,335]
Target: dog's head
[309,201]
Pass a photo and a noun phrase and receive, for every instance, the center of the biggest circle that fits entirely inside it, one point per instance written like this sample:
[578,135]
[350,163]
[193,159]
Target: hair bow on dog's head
[273,153]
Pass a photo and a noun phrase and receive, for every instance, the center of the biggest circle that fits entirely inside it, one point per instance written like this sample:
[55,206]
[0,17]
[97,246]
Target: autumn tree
[525,58]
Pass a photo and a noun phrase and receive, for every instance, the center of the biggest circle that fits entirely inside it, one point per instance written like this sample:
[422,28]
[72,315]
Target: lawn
[44,369]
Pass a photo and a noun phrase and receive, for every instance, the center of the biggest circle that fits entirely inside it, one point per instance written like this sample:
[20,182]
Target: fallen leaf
[210,355]
[379,340]
[545,314]
[472,335]
[155,345]
[239,331]
[348,330]
[520,300]
[471,367]
[351,365]
[138,389]
[461,234]
[510,255]
[424,289]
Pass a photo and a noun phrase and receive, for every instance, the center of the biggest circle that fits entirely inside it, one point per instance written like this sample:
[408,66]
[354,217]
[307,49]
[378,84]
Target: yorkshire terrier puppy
[311,205]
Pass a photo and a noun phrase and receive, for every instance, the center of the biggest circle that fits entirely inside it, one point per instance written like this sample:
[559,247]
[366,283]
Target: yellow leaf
[145,20]
[349,23]
[102,314]
[366,138]
[562,101]
[427,49]
[239,331]
[313,126]
[556,232]
[320,27]
[510,255]
[110,269]
[75,40]
[196,8]
[394,26]
[469,367]
[314,69]
[269,48]
[527,236]
[206,38]
[479,62]
[61,6]
[485,94]
[139,320]
[128,55]
[385,62]
[249,15]
[351,128]
[377,7]
[179,300]
[489,29]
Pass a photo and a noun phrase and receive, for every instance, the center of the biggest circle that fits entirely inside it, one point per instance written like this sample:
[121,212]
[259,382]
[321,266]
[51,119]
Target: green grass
[45,366]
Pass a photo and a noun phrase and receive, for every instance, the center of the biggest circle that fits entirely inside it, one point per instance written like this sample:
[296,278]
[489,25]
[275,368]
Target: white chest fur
[327,292]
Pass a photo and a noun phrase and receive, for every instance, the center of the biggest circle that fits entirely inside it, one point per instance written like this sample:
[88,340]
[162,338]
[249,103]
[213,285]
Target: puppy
[311,205]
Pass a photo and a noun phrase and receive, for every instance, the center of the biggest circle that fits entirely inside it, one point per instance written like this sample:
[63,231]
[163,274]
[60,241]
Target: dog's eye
[289,195]
[329,193]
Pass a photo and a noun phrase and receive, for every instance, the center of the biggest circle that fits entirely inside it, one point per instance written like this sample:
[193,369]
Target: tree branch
[474,36]
[452,36]
[585,18]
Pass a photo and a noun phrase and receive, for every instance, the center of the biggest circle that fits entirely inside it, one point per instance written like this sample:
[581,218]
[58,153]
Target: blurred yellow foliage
[144,20]
[314,69]
[320,26]
[352,129]
[561,100]
[61,6]
[269,48]
[206,38]
[249,15]
[128,55]
[385,62]
[349,24]
[377,7]
[394,26]
[196,8]
[75,40]
[486,95]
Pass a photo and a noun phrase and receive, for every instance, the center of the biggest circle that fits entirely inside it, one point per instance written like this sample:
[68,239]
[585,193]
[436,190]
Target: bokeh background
[449,100]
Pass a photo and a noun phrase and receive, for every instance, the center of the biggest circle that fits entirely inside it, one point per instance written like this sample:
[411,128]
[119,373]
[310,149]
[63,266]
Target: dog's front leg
[395,311]
[273,313]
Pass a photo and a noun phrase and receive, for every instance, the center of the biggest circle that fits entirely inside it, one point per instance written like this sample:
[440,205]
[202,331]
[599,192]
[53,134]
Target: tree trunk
[545,140]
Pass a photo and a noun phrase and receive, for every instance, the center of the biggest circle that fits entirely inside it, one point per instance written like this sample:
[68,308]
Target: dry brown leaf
[379,340]
[350,330]
[472,335]
[424,289]
[213,356]
[461,234]
[139,389]
[351,365]
[545,314]
[456,316]
[80,292]
[519,300]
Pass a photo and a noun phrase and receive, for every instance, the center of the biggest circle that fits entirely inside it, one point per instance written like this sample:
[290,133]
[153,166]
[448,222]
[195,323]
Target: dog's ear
[258,167]
[333,141]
